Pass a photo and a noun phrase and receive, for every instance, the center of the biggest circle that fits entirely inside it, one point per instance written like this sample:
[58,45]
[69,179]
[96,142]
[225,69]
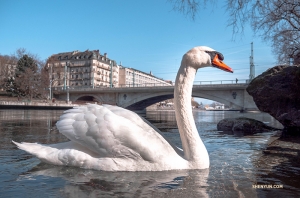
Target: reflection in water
[30,125]
[167,120]
[91,183]
[231,174]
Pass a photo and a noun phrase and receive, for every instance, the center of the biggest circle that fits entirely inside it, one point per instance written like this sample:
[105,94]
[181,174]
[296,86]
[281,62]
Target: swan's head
[203,56]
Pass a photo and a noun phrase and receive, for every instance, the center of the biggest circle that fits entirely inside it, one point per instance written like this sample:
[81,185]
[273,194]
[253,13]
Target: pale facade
[7,67]
[7,71]
[129,77]
[82,69]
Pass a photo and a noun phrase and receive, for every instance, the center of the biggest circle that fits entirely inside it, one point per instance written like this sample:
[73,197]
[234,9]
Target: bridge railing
[218,82]
[215,82]
[145,85]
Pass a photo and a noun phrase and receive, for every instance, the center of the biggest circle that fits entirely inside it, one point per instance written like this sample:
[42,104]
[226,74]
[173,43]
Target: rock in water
[277,92]
[243,124]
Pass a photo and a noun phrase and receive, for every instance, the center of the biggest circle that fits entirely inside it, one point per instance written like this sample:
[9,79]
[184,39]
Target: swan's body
[111,138]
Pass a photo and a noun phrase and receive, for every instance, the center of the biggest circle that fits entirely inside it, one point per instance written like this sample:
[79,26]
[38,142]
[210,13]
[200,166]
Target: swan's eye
[213,54]
[220,56]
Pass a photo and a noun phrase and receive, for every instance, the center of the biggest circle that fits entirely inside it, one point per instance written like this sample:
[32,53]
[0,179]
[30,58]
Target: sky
[146,35]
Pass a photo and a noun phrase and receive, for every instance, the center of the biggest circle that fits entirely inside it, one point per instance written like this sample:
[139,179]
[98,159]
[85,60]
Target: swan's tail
[66,153]
[71,154]
[31,148]
[44,153]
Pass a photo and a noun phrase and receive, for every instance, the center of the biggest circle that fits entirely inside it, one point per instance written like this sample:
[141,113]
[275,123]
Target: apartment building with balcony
[82,69]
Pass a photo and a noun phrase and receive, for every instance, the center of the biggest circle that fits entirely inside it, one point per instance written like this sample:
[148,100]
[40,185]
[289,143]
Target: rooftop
[77,55]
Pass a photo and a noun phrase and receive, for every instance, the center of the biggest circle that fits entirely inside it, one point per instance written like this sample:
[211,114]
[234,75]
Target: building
[129,77]
[91,69]
[8,67]
[82,69]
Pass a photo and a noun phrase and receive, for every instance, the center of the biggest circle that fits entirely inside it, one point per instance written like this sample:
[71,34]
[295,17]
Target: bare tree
[28,84]
[279,22]
[3,70]
[276,21]
[188,7]
[55,71]
[19,53]
[17,79]
[44,82]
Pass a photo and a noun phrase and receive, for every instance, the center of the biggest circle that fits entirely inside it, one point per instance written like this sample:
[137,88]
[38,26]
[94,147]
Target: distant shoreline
[35,105]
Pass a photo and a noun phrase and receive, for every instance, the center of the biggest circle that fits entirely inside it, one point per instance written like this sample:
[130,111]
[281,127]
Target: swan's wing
[113,132]
[143,123]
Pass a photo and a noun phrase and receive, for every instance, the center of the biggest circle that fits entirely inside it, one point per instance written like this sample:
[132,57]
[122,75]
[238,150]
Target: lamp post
[133,78]
[68,97]
[50,89]
[50,84]
[92,77]
[110,76]
[65,79]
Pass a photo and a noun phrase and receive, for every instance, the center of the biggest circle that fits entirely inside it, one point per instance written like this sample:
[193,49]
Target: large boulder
[277,92]
[242,124]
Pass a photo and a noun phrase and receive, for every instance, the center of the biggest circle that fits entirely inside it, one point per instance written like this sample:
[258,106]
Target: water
[231,174]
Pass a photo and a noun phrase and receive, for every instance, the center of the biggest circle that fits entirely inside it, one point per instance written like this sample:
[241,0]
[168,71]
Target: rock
[277,92]
[243,124]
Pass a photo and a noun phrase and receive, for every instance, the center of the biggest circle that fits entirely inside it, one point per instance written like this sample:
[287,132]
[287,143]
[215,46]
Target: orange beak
[220,64]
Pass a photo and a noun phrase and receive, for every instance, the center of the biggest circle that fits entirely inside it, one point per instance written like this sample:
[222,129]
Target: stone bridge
[138,98]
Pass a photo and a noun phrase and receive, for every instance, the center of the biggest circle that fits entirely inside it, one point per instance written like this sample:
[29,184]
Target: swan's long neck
[193,147]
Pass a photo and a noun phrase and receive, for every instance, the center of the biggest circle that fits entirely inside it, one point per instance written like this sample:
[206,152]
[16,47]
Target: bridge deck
[143,88]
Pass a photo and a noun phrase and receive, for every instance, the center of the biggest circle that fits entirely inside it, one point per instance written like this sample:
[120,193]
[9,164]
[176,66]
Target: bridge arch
[142,104]
[218,99]
[144,100]
[86,98]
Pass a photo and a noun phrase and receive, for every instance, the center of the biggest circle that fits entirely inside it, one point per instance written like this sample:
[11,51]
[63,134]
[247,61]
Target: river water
[232,172]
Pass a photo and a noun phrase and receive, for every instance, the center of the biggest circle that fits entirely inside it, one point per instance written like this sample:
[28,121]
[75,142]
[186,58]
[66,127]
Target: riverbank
[35,105]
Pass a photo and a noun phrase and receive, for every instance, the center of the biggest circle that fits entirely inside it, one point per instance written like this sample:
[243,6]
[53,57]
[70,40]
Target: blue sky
[145,35]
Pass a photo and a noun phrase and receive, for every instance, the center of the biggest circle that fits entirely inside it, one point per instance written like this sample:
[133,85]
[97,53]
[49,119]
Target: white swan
[111,138]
